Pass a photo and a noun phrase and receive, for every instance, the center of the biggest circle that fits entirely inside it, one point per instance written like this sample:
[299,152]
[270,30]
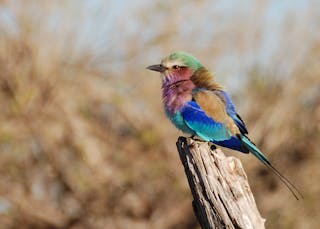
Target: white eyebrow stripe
[169,63]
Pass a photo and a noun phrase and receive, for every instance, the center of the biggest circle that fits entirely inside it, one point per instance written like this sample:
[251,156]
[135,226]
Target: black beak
[157,68]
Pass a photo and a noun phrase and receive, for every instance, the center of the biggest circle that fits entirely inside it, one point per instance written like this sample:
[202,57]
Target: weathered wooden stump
[219,185]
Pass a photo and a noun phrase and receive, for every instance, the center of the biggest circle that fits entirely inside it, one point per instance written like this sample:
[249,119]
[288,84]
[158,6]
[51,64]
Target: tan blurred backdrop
[83,139]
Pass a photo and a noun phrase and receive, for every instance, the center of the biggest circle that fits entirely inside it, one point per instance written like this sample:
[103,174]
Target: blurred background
[84,142]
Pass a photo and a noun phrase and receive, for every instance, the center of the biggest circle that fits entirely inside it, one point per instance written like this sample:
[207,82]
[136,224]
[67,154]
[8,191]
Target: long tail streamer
[257,153]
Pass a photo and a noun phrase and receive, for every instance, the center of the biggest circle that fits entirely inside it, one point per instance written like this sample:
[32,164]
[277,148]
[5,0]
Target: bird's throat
[175,93]
[176,83]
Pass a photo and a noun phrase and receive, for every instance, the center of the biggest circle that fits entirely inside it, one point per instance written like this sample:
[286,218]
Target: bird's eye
[175,66]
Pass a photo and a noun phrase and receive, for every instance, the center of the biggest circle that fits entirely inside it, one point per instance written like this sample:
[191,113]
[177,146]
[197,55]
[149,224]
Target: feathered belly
[177,119]
[175,96]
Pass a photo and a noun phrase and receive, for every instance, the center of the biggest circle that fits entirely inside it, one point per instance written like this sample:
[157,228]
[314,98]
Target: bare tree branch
[219,185]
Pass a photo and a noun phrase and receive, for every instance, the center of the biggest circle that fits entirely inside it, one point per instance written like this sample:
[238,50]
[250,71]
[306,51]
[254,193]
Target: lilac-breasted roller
[199,106]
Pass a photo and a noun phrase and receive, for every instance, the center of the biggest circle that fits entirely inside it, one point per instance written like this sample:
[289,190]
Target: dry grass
[286,125]
[77,152]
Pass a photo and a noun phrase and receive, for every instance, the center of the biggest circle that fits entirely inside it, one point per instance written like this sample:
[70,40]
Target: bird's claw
[213,147]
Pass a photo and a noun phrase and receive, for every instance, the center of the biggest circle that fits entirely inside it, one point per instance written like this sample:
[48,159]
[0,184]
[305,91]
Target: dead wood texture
[219,185]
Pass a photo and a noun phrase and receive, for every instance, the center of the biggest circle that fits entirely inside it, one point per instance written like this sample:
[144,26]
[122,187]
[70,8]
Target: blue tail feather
[232,143]
[254,149]
[247,143]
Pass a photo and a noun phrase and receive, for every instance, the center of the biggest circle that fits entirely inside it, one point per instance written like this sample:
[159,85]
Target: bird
[197,105]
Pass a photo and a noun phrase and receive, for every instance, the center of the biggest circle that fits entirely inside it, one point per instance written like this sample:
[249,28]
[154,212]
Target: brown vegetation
[83,145]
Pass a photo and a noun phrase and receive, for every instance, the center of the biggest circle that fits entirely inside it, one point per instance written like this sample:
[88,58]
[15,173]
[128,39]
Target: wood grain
[221,194]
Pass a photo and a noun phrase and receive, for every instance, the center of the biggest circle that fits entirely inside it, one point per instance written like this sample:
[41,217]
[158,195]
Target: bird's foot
[196,138]
[213,147]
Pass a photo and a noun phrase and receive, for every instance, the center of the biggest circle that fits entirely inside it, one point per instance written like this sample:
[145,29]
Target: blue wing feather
[231,110]
[209,129]
[204,126]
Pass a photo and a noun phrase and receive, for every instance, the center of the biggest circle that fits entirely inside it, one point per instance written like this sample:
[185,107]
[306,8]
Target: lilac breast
[175,95]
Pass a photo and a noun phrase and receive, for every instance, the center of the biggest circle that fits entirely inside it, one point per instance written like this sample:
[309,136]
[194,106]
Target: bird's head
[178,64]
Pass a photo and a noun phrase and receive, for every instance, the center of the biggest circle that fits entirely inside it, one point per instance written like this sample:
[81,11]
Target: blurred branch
[219,185]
